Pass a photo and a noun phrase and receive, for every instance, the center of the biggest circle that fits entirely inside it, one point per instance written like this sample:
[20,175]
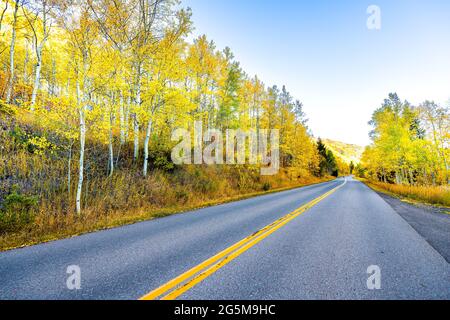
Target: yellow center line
[189,279]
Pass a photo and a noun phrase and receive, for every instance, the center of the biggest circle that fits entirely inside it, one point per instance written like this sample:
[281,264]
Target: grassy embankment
[37,205]
[433,195]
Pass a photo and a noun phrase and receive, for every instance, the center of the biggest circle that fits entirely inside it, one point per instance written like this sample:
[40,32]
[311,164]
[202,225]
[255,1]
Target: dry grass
[53,228]
[124,198]
[435,195]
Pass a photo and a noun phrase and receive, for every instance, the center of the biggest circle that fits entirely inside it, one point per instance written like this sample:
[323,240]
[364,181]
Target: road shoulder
[432,223]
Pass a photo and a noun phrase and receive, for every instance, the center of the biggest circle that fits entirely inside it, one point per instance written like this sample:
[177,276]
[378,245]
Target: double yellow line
[176,287]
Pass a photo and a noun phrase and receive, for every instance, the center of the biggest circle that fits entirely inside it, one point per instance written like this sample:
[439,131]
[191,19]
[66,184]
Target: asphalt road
[322,254]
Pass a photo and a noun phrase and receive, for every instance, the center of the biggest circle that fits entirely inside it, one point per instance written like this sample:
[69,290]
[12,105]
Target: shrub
[206,185]
[160,157]
[39,145]
[17,211]
[267,186]
[6,109]
[182,195]
[18,135]
[34,144]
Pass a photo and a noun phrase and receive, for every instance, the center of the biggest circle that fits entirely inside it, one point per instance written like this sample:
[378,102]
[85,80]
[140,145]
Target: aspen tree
[39,21]
[10,85]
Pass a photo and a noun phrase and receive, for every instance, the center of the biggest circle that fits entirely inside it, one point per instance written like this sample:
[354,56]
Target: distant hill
[347,152]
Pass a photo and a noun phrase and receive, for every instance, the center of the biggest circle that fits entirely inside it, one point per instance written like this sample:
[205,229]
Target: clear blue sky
[324,53]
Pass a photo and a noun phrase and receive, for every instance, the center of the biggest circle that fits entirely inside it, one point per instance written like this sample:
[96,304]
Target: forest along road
[268,247]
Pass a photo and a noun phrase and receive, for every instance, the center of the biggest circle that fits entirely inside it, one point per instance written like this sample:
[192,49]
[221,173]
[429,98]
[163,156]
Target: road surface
[322,252]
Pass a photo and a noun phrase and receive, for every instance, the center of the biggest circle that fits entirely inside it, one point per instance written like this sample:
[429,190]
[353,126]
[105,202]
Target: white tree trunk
[136,119]
[122,120]
[146,144]
[127,118]
[37,80]
[81,166]
[69,171]
[25,65]
[2,14]
[82,115]
[136,137]
[111,151]
[9,89]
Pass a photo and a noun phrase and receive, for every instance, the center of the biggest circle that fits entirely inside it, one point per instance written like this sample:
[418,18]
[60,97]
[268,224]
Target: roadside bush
[6,109]
[182,195]
[267,186]
[160,157]
[205,184]
[32,143]
[17,211]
